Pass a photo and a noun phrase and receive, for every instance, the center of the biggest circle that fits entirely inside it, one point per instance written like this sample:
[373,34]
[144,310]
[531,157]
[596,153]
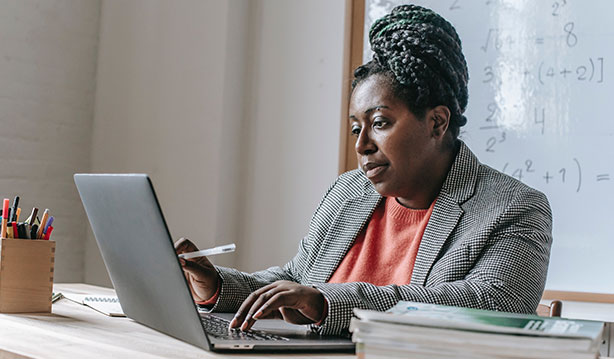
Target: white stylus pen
[209,252]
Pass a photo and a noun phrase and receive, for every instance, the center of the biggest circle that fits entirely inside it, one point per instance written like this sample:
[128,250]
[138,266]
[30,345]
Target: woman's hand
[290,301]
[200,273]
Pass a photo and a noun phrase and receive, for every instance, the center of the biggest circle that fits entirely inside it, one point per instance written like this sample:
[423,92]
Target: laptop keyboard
[218,327]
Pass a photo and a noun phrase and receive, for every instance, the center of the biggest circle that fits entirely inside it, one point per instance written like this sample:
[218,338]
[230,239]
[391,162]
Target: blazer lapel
[352,217]
[444,219]
[457,188]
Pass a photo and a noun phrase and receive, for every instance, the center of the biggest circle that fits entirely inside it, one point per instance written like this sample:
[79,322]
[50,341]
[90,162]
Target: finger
[247,304]
[194,268]
[203,261]
[278,302]
[184,245]
[257,305]
[276,314]
[250,305]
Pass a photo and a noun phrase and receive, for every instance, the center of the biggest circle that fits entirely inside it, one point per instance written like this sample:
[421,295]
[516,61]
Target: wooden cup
[26,275]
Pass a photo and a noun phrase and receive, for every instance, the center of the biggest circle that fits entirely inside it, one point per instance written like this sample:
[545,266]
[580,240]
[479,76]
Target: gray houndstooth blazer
[486,245]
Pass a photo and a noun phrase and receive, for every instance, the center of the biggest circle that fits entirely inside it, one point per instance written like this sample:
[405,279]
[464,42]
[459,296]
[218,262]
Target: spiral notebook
[105,304]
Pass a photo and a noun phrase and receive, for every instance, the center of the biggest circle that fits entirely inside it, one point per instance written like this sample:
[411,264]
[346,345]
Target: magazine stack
[419,330]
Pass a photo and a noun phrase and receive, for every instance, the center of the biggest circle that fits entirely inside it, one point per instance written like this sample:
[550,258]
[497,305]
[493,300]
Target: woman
[420,220]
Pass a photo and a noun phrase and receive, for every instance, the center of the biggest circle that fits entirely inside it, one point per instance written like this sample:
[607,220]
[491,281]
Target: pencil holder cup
[26,275]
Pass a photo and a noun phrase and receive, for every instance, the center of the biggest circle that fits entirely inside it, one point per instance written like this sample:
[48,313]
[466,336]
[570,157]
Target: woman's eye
[355,131]
[379,123]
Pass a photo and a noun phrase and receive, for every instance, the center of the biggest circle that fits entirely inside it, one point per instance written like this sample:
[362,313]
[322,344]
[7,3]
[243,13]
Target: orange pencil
[17,215]
[39,235]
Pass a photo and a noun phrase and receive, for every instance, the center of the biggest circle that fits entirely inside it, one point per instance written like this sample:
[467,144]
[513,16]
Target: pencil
[39,235]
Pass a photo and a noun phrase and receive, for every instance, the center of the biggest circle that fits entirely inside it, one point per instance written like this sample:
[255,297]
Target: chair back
[552,310]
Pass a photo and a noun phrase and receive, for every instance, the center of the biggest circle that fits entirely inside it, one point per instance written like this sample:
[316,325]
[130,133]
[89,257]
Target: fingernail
[258,314]
[244,326]
[233,323]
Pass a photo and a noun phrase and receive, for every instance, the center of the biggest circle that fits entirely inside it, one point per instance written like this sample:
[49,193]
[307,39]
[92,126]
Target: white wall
[293,115]
[48,52]
[232,107]
[160,108]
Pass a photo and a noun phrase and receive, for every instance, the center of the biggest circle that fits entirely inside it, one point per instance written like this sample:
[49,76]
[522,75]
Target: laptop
[138,252]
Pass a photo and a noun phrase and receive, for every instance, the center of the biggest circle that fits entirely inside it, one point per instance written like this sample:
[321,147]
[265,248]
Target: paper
[105,304]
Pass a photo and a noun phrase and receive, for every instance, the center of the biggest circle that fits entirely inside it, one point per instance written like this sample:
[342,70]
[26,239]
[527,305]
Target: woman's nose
[364,143]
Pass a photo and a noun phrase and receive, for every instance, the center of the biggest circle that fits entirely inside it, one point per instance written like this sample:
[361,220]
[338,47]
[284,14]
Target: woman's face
[395,149]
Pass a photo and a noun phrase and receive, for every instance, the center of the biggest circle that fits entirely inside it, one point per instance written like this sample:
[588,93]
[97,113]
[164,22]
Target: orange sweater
[385,252]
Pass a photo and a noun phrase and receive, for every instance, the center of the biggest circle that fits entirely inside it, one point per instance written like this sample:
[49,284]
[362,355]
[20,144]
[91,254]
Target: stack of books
[419,330]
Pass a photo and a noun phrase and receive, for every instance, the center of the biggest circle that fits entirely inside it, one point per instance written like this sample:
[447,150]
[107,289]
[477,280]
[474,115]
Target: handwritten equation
[498,39]
[591,70]
[570,175]
[531,72]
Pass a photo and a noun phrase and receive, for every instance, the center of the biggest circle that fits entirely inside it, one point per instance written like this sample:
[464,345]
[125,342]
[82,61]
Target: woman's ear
[440,116]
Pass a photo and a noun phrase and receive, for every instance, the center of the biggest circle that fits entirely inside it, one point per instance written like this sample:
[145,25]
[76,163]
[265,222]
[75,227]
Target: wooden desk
[76,331]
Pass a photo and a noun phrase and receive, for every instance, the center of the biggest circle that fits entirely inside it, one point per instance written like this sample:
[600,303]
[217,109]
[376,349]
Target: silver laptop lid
[138,252]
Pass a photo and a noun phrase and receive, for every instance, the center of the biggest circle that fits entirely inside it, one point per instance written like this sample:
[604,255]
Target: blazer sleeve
[509,275]
[237,285]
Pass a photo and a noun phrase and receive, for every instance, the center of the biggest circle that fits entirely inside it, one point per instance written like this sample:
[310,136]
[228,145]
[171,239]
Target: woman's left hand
[290,301]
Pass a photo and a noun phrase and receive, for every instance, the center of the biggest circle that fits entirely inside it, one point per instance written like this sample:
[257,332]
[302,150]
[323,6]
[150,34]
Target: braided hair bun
[422,52]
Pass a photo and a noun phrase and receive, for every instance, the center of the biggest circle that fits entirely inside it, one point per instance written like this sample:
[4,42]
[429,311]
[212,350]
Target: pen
[209,252]
[48,233]
[33,231]
[17,215]
[39,235]
[21,229]
[15,231]
[49,223]
[5,212]
[30,220]
[14,211]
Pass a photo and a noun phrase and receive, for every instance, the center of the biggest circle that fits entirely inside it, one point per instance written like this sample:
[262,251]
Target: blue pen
[49,221]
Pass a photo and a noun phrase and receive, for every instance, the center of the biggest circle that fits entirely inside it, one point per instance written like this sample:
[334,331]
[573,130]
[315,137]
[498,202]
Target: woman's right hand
[200,273]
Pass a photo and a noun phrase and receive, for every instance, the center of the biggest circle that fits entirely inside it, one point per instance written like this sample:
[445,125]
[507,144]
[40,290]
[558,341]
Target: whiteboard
[540,109]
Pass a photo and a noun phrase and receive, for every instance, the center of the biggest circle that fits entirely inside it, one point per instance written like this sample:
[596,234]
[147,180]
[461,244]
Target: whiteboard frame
[354,20]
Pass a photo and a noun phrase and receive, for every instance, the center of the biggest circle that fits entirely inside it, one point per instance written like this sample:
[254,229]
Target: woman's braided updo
[421,54]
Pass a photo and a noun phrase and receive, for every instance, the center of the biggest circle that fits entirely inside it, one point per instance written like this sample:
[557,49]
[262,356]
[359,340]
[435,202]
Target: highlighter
[5,212]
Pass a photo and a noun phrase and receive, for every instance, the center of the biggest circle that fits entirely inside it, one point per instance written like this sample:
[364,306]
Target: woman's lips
[373,172]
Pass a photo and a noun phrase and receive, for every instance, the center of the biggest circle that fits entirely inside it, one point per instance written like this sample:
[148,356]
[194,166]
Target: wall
[159,108]
[231,107]
[48,52]
[292,124]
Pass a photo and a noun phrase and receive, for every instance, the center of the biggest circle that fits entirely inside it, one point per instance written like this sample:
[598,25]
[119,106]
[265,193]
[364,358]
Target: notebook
[105,304]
